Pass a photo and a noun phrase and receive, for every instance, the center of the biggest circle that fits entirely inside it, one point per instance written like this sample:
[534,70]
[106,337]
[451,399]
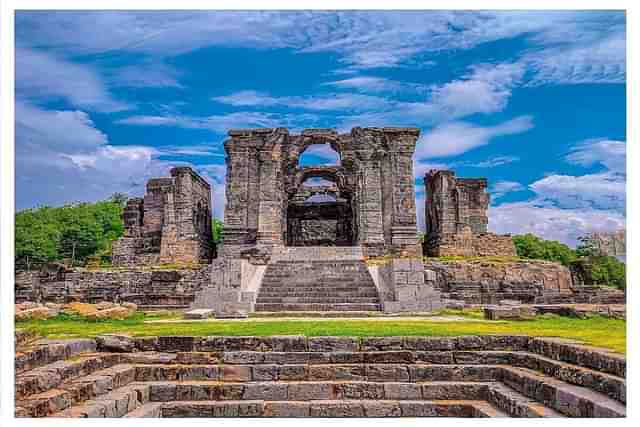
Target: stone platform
[294,376]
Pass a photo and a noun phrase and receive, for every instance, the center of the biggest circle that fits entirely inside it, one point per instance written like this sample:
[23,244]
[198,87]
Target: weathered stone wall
[456,218]
[375,180]
[171,224]
[402,288]
[483,282]
[147,288]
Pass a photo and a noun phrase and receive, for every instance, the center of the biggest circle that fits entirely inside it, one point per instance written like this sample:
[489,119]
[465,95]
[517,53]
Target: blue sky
[534,101]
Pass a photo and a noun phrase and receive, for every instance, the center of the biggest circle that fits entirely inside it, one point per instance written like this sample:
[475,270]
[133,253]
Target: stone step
[319,289]
[517,405]
[317,300]
[50,376]
[318,314]
[570,400]
[271,293]
[47,351]
[386,369]
[318,307]
[77,391]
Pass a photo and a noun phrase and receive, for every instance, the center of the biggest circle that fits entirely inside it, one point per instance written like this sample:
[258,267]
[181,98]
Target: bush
[533,247]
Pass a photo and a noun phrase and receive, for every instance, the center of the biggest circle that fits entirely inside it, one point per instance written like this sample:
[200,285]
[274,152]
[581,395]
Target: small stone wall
[468,244]
[485,282]
[146,288]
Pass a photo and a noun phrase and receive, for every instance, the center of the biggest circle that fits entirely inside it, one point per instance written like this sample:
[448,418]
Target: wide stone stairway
[296,376]
[326,279]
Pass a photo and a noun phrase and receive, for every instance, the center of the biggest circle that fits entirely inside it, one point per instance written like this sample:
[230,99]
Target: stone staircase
[312,279]
[295,376]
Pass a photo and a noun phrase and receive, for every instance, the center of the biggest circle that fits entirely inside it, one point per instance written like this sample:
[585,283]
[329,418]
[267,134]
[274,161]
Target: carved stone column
[270,209]
[368,193]
[404,231]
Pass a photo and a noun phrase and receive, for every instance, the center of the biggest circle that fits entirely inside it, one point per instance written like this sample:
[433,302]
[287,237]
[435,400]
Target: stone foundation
[485,282]
[146,288]
[468,244]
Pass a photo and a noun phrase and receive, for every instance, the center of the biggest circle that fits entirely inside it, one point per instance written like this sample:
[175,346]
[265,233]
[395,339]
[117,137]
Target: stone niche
[456,218]
[170,224]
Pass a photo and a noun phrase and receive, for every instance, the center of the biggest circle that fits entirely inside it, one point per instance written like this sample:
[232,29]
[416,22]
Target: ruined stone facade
[609,244]
[456,218]
[373,187]
[171,224]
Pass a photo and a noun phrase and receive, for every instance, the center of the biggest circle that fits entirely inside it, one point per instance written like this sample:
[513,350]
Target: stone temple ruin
[349,245]
[171,224]
[456,218]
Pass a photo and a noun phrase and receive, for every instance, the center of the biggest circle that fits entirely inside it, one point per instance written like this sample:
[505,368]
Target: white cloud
[600,191]
[491,162]
[455,138]
[501,188]
[375,84]
[608,153]
[566,207]
[362,39]
[216,174]
[337,101]
[218,123]
[598,61]
[147,74]
[551,222]
[41,76]
[62,157]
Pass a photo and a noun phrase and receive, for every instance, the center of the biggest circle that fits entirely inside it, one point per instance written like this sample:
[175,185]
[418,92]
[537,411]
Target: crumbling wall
[456,218]
[483,282]
[171,224]
[147,288]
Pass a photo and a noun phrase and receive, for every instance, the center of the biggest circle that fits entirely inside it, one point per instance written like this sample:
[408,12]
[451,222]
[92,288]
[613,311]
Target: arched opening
[319,155]
[319,212]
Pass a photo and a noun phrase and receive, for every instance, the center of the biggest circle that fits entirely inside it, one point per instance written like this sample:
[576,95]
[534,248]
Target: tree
[119,198]
[217,226]
[533,247]
[76,231]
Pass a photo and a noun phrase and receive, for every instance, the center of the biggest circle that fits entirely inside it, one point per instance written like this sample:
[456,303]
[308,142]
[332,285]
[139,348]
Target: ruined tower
[456,218]
[171,224]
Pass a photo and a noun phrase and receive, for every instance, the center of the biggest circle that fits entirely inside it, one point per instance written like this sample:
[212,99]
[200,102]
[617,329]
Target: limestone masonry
[456,218]
[171,224]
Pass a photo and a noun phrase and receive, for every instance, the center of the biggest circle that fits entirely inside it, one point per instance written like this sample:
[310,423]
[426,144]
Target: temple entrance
[319,211]
[319,216]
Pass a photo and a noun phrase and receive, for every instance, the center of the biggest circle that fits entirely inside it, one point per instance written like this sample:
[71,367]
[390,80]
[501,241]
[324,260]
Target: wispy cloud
[42,76]
[455,138]
[329,102]
[501,188]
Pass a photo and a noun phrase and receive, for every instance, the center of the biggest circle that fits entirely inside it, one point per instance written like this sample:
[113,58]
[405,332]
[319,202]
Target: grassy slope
[598,331]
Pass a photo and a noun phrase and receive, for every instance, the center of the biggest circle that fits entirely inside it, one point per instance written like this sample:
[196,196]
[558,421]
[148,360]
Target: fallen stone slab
[199,313]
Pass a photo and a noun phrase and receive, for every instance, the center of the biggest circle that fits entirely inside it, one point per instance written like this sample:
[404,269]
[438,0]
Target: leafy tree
[217,226]
[608,271]
[119,198]
[75,231]
[531,246]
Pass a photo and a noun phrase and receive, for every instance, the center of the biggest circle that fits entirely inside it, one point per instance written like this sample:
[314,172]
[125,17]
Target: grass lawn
[598,331]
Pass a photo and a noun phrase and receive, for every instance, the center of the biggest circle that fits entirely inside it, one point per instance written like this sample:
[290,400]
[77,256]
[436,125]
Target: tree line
[75,234]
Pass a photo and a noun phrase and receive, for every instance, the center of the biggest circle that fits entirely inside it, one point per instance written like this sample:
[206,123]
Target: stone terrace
[294,376]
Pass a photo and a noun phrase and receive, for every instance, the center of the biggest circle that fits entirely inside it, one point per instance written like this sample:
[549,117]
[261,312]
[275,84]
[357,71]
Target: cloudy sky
[534,101]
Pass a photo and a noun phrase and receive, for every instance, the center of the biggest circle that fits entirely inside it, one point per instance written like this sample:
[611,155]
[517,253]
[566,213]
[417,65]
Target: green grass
[597,330]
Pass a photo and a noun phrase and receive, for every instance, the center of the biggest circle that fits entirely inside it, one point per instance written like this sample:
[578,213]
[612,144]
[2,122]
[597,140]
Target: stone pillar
[236,212]
[270,209]
[368,193]
[404,230]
